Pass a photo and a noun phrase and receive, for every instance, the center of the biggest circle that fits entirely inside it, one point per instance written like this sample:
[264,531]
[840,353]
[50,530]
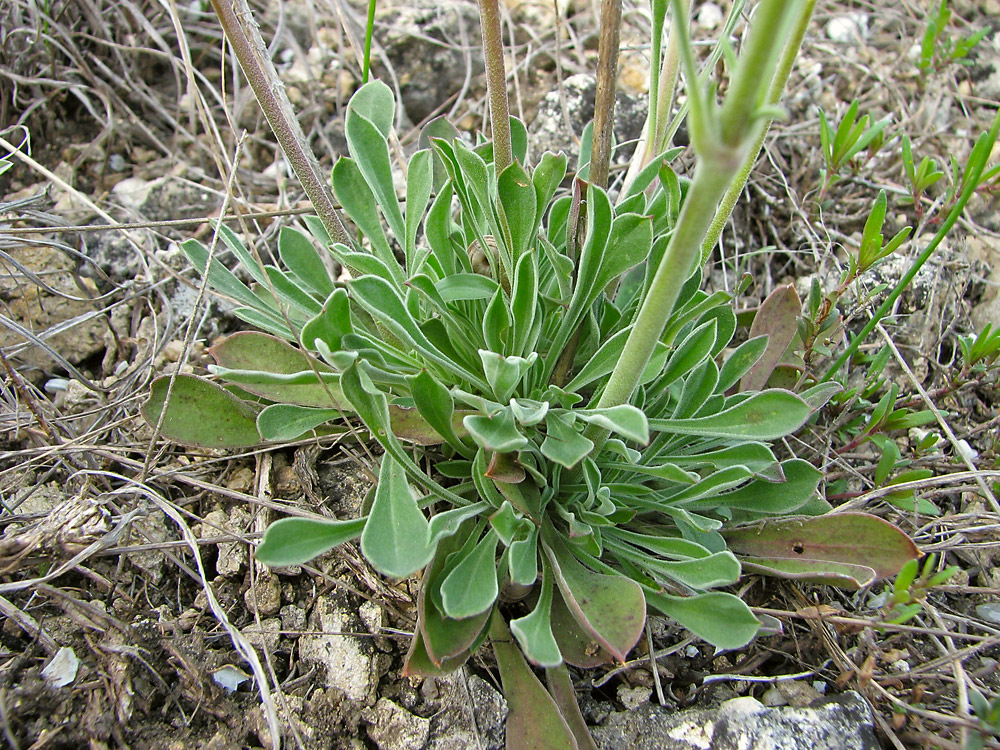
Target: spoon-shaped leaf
[856,538]
[293,541]
[201,413]
[767,415]
[611,608]
[395,539]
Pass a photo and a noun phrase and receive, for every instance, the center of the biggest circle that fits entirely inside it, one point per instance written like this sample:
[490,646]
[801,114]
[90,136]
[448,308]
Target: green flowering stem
[722,139]
[788,56]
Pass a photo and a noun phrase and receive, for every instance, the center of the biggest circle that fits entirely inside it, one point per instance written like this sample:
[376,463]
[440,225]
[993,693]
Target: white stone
[346,659]
[709,16]
[847,29]
[61,671]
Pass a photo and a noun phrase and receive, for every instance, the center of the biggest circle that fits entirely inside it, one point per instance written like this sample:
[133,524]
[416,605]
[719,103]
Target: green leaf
[825,572]
[220,278]
[373,408]
[465,287]
[375,101]
[446,638]
[699,386]
[358,200]
[761,497]
[522,560]
[396,538]
[610,608]
[534,631]
[767,415]
[505,373]
[418,662]
[497,432]
[331,324]
[717,569]
[722,619]
[516,201]
[563,442]
[547,177]
[837,537]
[201,413]
[775,319]
[419,179]
[248,352]
[287,422]
[300,257]
[629,244]
[524,304]
[533,719]
[369,147]
[497,324]
[294,541]
[691,352]
[436,405]
[471,587]
[626,420]
[383,303]
[577,646]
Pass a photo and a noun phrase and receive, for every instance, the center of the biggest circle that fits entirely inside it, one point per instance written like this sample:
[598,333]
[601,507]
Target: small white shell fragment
[229,677]
[61,671]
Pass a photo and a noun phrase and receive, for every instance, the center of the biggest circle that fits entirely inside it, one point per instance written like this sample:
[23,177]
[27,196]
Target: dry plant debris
[129,560]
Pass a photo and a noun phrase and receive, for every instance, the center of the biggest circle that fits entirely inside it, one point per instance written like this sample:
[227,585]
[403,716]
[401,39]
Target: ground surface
[110,541]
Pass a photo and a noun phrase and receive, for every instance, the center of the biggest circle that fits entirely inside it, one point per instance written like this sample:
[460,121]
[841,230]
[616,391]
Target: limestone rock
[346,659]
[392,727]
[548,131]
[841,723]
[470,715]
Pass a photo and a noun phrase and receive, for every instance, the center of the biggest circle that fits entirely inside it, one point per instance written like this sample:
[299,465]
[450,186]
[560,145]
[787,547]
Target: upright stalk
[663,80]
[722,139]
[244,37]
[788,56]
[496,83]
[604,102]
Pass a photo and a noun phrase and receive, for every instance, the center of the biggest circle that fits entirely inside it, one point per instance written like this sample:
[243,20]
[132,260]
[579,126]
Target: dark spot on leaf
[798,548]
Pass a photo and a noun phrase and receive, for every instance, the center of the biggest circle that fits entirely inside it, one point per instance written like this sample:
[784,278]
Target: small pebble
[852,27]
[773,698]
[709,16]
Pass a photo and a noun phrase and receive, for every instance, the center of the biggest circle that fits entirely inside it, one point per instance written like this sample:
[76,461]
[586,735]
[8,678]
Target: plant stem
[707,188]
[788,56]
[722,139]
[244,36]
[369,30]
[604,102]
[981,153]
[747,94]
[663,81]
[496,83]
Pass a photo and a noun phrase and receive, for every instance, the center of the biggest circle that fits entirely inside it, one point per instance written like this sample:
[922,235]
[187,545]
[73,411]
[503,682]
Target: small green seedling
[988,714]
[920,177]
[980,351]
[851,137]
[938,49]
[911,587]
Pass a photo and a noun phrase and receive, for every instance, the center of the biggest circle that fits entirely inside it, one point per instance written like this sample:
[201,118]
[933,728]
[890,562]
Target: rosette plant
[548,351]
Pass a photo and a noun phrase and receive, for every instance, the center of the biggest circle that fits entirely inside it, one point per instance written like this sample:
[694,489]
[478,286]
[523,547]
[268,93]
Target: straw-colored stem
[245,39]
